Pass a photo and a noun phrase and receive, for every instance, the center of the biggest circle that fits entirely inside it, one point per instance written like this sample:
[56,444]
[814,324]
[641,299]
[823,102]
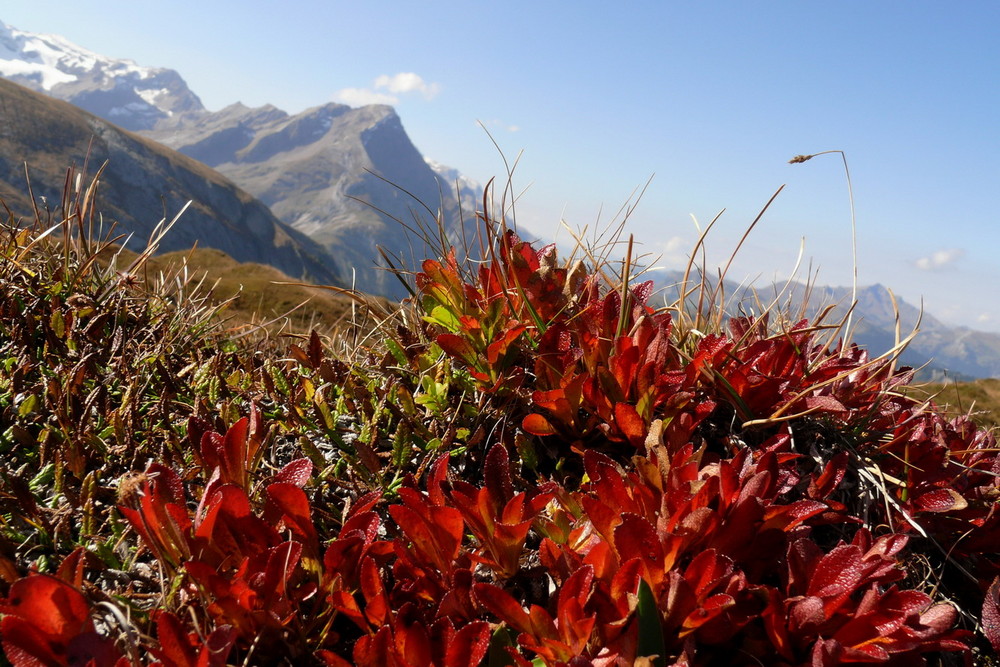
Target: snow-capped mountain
[127,94]
[142,182]
[345,177]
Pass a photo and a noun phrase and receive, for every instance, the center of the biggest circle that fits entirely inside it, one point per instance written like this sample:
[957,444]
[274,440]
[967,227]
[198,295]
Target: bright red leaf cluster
[749,497]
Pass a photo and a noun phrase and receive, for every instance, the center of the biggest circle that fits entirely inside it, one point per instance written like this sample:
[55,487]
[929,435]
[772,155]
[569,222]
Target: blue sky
[711,99]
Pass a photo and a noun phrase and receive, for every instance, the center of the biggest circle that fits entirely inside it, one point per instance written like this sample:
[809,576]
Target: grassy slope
[260,293]
[981,397]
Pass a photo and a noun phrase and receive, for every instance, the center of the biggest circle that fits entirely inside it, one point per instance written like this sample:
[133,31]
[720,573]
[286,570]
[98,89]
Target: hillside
[258,293]
[348,178]
[980,398]
[142,183]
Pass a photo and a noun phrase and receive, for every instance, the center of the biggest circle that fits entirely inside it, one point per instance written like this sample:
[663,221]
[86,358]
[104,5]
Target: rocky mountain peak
[131,96]
[346,177]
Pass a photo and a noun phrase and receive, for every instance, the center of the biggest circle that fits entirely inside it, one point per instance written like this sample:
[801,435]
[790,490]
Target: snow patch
[150,97]
[51,60]
[46,77]
[452,175]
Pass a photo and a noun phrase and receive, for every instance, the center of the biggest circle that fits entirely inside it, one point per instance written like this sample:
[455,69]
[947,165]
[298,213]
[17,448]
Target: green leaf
[498,656]
[28,405]
[526,451]
[58,324]
[443,316]
[650,641]
[43,478]
[312,452]
[279,379]
[397,352]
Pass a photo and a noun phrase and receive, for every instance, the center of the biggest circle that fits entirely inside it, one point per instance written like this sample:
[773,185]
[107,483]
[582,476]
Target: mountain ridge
[329,171]
[350,178]
[142,182]
[129,95]
[940,350]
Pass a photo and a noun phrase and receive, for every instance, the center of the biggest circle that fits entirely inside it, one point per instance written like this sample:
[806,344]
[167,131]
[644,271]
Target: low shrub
[532,466]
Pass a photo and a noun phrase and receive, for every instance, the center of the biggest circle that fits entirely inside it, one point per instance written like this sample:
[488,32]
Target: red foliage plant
[753,497]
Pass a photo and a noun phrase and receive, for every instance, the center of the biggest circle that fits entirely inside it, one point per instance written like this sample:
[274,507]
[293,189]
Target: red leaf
[497,474]
[991,614]
[72,567]
[833,474]
[940,500]
[361,506]
[42,615]
[294,504]
[25,646]
[438,476]
[412,642]
[706,570]
[827,653]
[536,424]
[469,645]
[211,449]
[503,606]
[296,472]
[642,291]
[300,355]
[458,347]
[377,610]
[630,423]
[496,350]
[281,563]
[837,571]
[636,538]
[331,659]
[786,517]
[806,614]
[436,532]
[315,349]
[575,626]
[235,450]
[167,486]
[825,404]
[175,645]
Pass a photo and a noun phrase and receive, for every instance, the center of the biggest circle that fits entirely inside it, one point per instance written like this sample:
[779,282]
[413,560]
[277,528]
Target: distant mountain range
[331,183]
[941,351]
[956,352]
[143,183]
[345,177]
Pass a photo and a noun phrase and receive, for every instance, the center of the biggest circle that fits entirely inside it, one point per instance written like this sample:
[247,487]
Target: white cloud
[670,254]
[387,89]
[407,82]
[939,259]
[673,244]
[359,97]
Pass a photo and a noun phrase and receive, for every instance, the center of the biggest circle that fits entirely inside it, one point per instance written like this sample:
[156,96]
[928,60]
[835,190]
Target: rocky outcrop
[349,178]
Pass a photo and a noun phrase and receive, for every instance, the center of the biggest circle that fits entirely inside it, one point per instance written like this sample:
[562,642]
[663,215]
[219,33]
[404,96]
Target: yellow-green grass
[981,397]
[263,294]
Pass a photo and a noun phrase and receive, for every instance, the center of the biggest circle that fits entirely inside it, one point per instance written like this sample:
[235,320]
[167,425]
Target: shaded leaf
[650,642]
[991,614]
